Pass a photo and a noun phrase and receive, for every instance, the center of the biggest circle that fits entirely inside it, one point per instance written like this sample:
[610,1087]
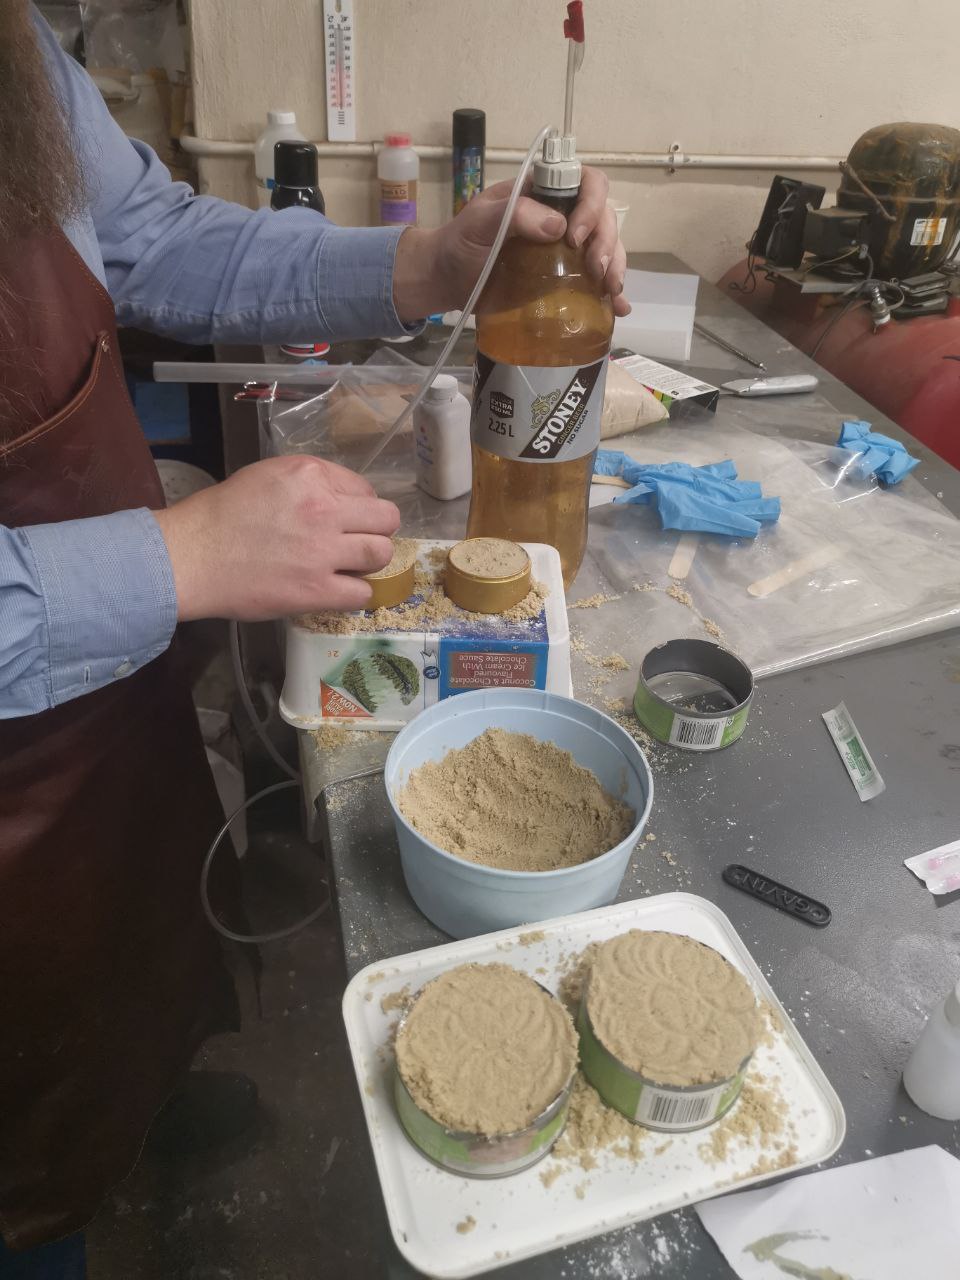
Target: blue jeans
[63,1260]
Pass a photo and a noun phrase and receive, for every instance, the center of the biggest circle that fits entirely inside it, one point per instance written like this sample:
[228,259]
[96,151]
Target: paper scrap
[864,774]
[893,1218]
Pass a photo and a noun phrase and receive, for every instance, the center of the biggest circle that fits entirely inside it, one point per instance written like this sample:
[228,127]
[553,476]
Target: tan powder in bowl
[485,1050]
[672,1009]
[508,800]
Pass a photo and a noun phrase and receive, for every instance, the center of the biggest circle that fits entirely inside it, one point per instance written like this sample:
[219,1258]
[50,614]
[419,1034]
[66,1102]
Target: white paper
[893,1218]
[661,322]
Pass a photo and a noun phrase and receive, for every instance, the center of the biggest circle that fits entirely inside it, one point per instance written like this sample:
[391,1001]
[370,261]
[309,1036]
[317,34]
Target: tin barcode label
[703,386]
[676,1110]
[697,735]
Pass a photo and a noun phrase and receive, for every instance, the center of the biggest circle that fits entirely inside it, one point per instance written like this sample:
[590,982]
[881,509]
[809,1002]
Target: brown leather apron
[110,977]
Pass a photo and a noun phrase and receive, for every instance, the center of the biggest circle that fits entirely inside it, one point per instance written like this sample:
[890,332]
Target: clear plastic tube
[255,721]
[470,303]
[276,935]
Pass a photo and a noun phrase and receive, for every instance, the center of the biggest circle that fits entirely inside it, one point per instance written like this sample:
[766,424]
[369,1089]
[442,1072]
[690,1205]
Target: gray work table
[778,801]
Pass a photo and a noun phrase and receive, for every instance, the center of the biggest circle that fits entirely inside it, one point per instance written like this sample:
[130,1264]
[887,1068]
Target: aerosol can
[543,337]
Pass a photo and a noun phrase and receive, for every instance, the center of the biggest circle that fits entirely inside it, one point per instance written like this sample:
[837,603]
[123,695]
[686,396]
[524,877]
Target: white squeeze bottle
[281,127]
[398,169]
[441,440]
[932,1076]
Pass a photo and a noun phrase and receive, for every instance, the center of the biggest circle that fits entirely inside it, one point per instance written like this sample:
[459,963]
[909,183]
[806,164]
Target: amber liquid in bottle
[540,308]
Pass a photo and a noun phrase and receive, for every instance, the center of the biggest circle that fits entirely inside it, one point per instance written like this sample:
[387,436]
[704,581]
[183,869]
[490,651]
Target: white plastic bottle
[441,440]
[932,1076]
[281,127]
[398,169]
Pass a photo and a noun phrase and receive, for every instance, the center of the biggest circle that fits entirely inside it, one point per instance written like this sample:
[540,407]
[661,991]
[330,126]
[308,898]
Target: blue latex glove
[707,499]
[883,457]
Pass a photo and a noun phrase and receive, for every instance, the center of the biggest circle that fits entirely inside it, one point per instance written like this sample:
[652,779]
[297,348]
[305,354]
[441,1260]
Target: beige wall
[740,77]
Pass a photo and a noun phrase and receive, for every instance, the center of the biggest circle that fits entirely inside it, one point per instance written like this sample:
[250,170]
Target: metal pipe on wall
[670,160]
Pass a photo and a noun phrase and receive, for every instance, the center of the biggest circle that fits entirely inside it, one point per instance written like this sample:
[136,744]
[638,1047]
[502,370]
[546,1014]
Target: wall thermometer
[338,39]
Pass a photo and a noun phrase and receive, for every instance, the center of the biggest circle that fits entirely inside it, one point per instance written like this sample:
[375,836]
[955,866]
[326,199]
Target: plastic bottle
[398,169]
[281,126]
[543,335]
[296,182]
[932,1076]
[469,142]
[441,440]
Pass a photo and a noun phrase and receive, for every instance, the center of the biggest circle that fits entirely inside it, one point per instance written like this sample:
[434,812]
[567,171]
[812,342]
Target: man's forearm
[420,284]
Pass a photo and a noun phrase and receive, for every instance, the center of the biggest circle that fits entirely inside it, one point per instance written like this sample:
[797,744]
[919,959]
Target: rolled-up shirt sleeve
[83,603]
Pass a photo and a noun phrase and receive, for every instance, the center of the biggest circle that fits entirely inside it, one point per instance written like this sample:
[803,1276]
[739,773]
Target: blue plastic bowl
[464,898]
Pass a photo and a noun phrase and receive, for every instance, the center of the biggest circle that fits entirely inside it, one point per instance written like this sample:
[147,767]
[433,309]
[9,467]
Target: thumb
[534,221]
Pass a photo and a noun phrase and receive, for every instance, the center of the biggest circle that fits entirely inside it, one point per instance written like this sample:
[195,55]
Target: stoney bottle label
[536,414]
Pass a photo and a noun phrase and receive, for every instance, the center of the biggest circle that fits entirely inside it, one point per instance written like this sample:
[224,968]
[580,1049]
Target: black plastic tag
[777,895]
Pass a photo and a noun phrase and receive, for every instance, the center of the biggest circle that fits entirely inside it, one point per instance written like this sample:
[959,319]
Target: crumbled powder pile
[758,1120]
[615,662]
[593,1127]
[485,1050]
[489,558]
[396,1000]
[671,1008]
[330,736]
[508,800]
[404,554]
[428,608]
[592,602]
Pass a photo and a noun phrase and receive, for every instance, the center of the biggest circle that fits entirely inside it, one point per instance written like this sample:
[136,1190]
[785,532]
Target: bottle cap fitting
[281,117]
[558,169]
[443,387]
[397,139]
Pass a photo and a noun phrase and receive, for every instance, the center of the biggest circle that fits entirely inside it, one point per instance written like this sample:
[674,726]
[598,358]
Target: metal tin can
[475,1155]
[665,1107]
[482,594]
[693,694]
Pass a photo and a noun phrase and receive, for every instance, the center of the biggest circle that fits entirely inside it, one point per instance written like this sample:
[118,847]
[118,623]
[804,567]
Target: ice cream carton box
[379,670]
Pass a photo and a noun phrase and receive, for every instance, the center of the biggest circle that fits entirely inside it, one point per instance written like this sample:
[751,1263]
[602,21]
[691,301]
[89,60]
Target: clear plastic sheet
[848,567]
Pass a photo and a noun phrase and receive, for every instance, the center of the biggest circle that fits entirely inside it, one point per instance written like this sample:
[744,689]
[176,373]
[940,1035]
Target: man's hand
[280,537]
[435,270]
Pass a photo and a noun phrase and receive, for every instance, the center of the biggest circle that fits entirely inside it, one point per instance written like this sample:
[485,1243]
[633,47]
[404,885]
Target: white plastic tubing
[670,160]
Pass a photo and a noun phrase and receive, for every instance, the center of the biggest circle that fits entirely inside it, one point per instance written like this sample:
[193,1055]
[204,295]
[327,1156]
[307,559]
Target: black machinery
[895,226]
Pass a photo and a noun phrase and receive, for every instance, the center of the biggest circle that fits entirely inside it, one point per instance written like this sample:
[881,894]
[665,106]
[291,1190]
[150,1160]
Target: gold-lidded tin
[635,972]
[394,583]
[487,575]
[479,1155]
[693,694]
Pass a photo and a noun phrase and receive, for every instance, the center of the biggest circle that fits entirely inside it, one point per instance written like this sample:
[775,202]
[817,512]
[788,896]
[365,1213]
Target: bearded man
[110,978]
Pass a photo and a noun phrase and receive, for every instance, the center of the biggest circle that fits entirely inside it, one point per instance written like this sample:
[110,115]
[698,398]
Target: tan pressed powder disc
[487,575]
[671,1009]
[485,1049]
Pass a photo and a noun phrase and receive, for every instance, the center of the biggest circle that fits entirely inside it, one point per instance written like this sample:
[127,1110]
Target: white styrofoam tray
[518,1217]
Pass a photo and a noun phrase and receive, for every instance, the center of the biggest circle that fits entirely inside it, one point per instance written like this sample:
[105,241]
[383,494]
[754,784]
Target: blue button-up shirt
[85,602]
